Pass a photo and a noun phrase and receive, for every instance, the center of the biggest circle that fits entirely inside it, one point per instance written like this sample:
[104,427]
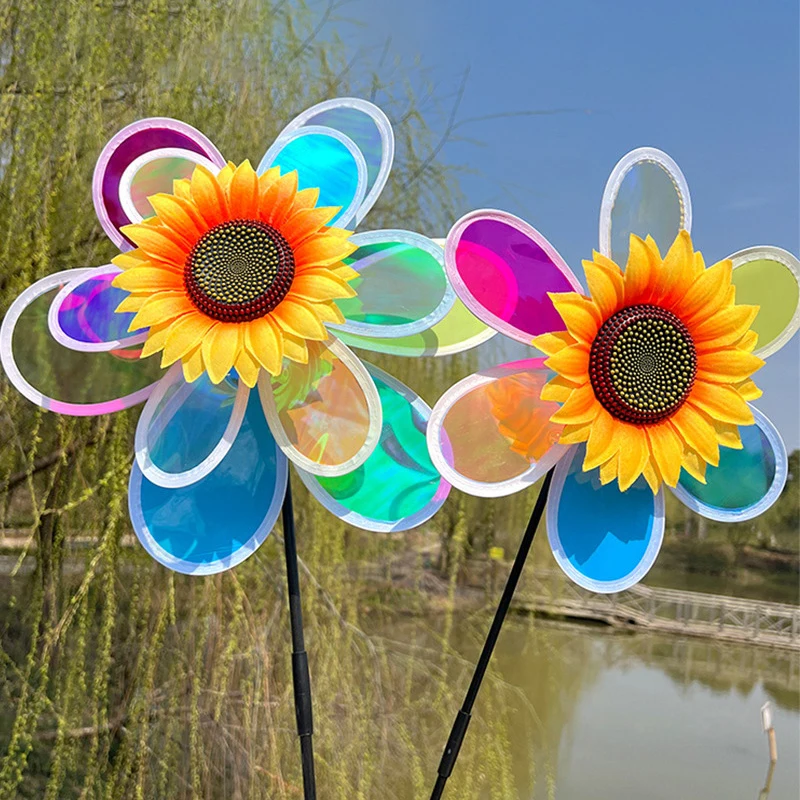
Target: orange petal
[305,198]
[179,215]
[208,196]
[266,179]
[225,175]
[243,192]
[581,316]
[300,225]
[182,187]
[607,291]
[706,295]
[721,402]
[639,272]
[582,406]
[725,327]
[157,243]
[264,340]
[727,366]
[278,199]
[148,279]
[677,270]
[297,317]
[558,389]
[220,348]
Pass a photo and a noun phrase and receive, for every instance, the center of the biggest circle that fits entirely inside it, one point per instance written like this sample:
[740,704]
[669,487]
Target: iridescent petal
[325,415]
[186,429]
[125,147]
[746,482]
[220,520]
[646,194]
[503,269]
[604,539]
[64,380]
[324,159]
[397,487]
[490,434]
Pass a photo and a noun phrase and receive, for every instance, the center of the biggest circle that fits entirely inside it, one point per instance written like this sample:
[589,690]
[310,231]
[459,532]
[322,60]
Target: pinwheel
[227,311]
[648,379]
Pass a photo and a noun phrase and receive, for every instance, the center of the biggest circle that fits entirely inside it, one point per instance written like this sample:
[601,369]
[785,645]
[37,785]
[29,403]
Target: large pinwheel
[226,312]
[647,381]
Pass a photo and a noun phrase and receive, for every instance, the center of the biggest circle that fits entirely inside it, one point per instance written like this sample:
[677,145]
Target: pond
[600,714]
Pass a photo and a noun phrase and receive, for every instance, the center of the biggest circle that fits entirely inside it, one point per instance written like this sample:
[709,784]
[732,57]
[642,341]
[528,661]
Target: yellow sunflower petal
[748,390]
[558,389]
[156,337]
[639,271]
[247,368]
[694,465]
[160,308]
[725,328]
[581,316]
[148,278]
[225,175]
[696,432]
[320,285]
[297,317]
[305,198]
[243,195]
[193,366]
[182,187]
[329,312]
[651,475]
[721,402]
[666,448]
[607,292]
[706,295]
[179,215]
[572,362]
[184,335]
[575,434]
[608,471]
[582,406]
[266,179]
[295,348]
[551,343]
[220,347]
[727,366]
[131,304]
[263,338]
[602,444]
[748,342]
[322,251]
[278,199]
[677,270]
[131,259]
[728,435]
[633,453]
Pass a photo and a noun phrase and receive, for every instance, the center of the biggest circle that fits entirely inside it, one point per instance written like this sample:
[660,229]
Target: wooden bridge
[687,613]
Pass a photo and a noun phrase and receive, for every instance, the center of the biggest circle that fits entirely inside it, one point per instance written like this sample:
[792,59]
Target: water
[598,714]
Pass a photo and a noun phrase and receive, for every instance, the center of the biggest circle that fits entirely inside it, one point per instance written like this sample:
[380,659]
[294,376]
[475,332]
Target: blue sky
[712,82]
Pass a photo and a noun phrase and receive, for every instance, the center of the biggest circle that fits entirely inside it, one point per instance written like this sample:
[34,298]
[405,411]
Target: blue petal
[217,522]
[324,159]
[604,539]
[746,482]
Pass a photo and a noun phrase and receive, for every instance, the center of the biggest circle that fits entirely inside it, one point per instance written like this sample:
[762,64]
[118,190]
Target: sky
[714,83]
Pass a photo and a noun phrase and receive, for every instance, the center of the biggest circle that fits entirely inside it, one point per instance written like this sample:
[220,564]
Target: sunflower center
[239,270]
[642,364]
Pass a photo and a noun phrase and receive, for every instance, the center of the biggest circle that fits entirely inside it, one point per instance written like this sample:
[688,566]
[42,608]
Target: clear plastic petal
[325,415]
[769,277]
[402,288]
[324,159]
[368,127]
[82,316]
[186,429]
[746,482]
[605,540]
[646,194]
[460,330]
[490,434]
[220,520]
[65,380]
[123,149]
[503,269]
[397,487]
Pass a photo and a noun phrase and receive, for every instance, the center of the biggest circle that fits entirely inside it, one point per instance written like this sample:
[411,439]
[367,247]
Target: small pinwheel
[244,278]
[648,379]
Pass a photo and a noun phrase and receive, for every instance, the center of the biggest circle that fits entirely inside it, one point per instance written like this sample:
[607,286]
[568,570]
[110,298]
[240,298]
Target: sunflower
[235,271]
[654,368]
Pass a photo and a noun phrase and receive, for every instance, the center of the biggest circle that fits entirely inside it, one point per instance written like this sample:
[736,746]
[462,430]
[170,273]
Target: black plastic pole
[300,674]
[465,713]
